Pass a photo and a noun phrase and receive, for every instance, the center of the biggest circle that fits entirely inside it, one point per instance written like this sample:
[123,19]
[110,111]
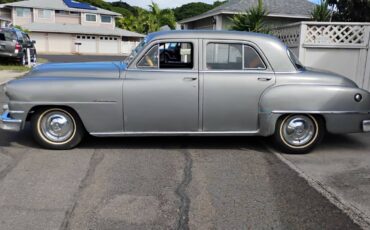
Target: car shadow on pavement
[331,142]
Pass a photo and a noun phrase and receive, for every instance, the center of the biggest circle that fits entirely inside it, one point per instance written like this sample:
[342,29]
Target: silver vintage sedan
[189,83]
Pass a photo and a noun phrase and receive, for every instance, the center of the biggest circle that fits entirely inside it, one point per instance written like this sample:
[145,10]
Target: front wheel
[299,134]
[56,128]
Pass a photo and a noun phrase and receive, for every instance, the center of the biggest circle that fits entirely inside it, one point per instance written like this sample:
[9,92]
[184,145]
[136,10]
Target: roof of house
[275,8]
[79,29]
[56,5]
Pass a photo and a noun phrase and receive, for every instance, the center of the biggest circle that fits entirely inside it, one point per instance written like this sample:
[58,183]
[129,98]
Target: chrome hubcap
[299,130]
[57,126]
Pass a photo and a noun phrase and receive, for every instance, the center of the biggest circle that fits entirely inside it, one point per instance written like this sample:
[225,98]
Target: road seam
[95,160]
[183,223]
[355,214]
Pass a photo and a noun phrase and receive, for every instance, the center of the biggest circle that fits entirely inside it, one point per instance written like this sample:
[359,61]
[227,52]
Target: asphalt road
[80,58]
[156,183]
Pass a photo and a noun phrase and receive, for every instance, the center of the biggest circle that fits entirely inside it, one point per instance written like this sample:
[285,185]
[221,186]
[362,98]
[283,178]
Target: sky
[168,3]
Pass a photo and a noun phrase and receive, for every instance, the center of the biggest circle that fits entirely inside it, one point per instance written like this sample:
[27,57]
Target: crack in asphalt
[183,223]
[16,158]
[95,160]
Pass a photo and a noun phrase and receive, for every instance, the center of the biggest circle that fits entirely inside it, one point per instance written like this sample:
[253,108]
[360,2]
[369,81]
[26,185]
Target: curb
[354,213]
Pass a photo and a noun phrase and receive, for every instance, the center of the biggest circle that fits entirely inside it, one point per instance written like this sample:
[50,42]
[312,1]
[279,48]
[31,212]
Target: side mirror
[33,42]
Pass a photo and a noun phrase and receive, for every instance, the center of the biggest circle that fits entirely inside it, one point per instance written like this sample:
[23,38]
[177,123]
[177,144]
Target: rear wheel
[57,128]
[299,134]
[22,60]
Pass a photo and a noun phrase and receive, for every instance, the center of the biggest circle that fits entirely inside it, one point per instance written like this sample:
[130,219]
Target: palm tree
[253,20]
[144,22]
[321,13]
[161,17]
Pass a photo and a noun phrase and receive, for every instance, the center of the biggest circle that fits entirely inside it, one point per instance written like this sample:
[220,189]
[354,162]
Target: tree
[321,12]
[195,8]
[351,10]
[253,20]
[143,21]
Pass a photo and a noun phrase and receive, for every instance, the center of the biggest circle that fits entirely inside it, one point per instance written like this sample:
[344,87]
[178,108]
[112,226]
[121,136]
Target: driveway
[81,58]
[173,183]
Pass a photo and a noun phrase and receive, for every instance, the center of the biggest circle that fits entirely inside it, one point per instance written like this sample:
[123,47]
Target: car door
[235,74]
[161,88]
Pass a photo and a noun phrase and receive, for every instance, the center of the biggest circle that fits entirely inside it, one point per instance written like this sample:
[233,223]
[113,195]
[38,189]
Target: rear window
[6,36]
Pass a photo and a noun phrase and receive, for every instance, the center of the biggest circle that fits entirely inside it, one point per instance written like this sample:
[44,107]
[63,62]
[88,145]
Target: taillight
[17,48]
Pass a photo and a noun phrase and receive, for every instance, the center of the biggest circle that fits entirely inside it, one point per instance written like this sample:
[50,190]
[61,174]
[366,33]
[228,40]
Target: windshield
[135,52]
[298,65]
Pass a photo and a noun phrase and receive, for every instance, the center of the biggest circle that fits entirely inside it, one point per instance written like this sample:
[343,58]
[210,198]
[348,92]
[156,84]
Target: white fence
[338,47]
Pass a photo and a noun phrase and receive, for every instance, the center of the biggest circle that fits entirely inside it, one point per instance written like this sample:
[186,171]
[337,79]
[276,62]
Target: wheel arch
[70,109]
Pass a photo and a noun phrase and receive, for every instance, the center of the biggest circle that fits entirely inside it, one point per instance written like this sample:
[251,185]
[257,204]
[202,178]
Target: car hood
[83,69]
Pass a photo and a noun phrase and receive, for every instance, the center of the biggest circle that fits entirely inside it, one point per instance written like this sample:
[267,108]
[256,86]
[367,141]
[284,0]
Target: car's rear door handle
[190,78]
[264,78]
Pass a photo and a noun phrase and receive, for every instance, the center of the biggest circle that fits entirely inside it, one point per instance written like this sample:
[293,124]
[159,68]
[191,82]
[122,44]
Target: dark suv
[14,44]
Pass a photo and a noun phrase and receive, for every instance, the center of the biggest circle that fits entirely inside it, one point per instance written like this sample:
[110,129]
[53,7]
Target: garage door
[108,45]
[60,43]
[88,44]
[41,41]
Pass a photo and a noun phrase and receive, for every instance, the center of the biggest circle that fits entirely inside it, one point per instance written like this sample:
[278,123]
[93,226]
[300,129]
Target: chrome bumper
[366,126]
[9,124]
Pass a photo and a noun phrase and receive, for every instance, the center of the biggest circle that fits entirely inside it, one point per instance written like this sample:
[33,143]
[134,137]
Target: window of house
[44,13]
[225,56]
[91,17]
[23,12]
[176,55]
[106,19]
[252,59]
[62,12]
[150,59]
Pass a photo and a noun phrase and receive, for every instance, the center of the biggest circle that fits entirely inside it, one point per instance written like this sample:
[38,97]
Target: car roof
[209,34]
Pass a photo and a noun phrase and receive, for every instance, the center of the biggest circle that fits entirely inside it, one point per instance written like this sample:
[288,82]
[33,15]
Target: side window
[150,59]
[176,55]
[252,60]
[26,38]
[20,36]
[223,56]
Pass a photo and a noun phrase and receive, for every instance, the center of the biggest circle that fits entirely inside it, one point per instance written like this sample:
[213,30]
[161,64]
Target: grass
[16,68]
[19,68]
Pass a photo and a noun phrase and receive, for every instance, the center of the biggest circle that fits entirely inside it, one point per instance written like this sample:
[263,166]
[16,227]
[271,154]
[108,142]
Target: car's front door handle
[190,78]
[264,78]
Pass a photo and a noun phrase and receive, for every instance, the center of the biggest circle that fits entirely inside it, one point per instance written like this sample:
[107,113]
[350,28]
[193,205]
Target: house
[279,12]
[66,26]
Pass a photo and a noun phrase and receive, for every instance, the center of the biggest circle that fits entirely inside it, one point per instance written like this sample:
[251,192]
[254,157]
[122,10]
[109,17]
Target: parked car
[189,83]
[14,44]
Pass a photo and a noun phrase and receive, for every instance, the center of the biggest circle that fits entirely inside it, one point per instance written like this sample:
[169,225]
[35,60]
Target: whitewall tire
[57,128]
[299,133]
